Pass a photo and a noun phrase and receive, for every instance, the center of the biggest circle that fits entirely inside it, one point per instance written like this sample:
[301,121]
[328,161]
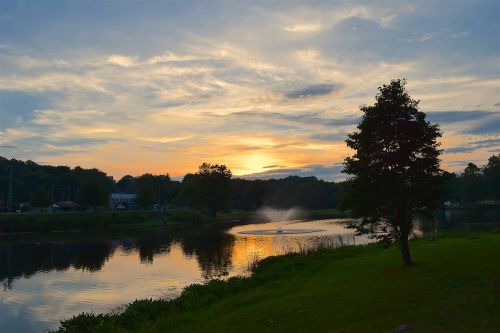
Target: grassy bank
[106,220]
[453,287]
[112,220]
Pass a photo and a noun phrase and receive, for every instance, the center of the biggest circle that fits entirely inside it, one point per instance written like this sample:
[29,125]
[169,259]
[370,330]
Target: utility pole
[159,201]
[9,198]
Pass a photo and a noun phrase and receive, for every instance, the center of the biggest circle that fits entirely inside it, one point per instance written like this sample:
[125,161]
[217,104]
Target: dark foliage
[474,185]
[293,191]
[40,197]
[491,174]
[395,168]
[209,189]
[41,185]
[89,187]
[93,193]
[150,189]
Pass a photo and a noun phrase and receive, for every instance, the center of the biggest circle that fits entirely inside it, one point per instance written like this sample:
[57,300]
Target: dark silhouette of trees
[40,197]
[475,184]
[292,191]
[450,188]
[395,168]
[93,193]
[94,187]
[209,189]
[126,184]
[61,182]
[146,197]
[471,184]
[492,177]
[40,185]
[150,189]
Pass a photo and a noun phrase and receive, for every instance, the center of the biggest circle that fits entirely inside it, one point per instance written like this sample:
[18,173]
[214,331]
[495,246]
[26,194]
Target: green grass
[105,220]
[113,220]
[453,287]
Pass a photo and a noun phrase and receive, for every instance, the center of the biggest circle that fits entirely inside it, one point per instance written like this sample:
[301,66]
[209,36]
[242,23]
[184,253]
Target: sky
[268,88]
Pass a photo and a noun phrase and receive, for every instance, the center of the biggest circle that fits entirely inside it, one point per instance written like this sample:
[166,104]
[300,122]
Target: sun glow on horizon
[162,88]
[254,163]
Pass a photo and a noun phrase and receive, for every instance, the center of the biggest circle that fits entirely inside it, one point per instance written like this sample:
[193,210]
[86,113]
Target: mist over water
[280,217]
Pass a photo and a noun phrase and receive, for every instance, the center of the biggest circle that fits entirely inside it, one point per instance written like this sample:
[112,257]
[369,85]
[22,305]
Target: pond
[44,281]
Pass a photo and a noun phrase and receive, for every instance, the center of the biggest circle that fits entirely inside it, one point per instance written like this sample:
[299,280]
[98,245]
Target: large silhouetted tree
[395,168]
[210,189]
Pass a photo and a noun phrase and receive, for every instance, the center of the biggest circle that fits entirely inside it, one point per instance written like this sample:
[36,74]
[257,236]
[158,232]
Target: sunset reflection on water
[49,281]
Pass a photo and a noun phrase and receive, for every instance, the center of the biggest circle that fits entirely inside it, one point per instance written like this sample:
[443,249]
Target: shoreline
[344,278]
[19,224]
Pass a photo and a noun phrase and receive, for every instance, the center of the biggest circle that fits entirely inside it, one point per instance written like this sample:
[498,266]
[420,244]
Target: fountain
[280,218]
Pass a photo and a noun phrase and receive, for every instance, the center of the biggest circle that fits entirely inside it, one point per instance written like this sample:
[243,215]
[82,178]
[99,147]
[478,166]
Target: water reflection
[251,247]
[208,245]
[48,280]
[45,281]
[19,259]
[212,247]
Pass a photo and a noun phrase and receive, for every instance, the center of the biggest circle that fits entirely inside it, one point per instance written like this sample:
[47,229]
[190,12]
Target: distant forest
[37,185]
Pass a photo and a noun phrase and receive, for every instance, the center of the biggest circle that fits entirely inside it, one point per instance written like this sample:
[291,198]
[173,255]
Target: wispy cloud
[327,172]
[473,146]
[121,60]
[491,126]
[304,27]
[311,91]
[459,116]
[166,139]
[250,85]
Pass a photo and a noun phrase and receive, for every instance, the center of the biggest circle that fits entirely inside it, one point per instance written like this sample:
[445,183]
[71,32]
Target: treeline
[42,185]
[211,189]
[150,189]
[305,192]
[475,184]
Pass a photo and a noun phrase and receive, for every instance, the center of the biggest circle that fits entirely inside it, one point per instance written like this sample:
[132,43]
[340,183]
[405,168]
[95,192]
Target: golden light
[253,163]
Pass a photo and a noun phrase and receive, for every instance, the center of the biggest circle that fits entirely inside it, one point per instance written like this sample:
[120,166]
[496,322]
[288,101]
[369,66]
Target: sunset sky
[267,88]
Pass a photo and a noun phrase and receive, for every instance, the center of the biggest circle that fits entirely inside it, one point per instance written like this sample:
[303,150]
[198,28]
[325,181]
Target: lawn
[454,286]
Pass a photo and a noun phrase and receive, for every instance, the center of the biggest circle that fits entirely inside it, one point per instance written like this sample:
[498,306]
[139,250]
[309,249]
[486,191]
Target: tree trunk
[405,250]
[404,217]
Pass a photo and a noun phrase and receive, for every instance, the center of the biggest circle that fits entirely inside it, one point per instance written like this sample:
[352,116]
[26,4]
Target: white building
[124,200]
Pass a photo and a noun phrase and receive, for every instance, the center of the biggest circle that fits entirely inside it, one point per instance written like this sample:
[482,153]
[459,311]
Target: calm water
[46,281]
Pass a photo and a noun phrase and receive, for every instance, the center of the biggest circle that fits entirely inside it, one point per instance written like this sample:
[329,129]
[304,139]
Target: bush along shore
[113,220]
[109,220]
[452,287]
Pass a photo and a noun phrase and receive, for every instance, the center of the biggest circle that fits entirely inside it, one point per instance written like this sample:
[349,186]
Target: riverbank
[453,287]
[105,220]
[113,220]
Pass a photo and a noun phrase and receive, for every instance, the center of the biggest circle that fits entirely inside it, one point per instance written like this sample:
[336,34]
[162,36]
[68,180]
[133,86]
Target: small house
[122,201]
[64,206]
